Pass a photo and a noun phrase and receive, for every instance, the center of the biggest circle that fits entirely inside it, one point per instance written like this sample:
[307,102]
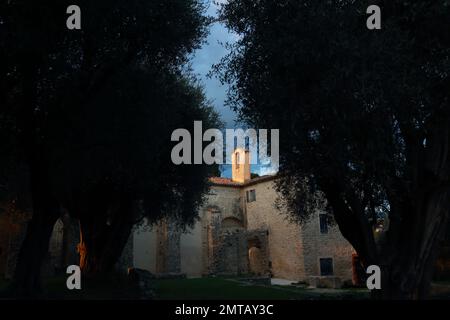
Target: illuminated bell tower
[240,165]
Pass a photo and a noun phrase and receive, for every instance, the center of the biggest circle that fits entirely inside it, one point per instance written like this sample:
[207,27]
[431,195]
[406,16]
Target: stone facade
[168,247]
[259,262]
[285,252]
[327,245]
[241,231]
[222,225]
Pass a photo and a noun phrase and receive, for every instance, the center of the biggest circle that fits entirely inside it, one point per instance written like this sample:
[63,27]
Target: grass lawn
[114,287]
[117,287]
[227,289]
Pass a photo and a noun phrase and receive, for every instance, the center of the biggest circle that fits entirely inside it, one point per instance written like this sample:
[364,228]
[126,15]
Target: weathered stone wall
[230,256]
[258,252]
[210,238]
[222,203]
[285,246]
[327,245]
[234,236]
[163,248]
[168,247]
[173,262]
[226,200]
[144,247]
[191,251]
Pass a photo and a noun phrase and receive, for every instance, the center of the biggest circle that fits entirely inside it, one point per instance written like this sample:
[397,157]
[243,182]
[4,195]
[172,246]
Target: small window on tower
[323,219]
[237,160]
[251,195]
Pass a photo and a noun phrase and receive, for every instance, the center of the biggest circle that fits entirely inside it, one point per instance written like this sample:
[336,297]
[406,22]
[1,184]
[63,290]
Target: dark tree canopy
[50,74]
[86,117]
[364,117]
[122,139]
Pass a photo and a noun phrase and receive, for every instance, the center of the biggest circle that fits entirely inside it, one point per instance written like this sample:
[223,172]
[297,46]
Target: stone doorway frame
[259,239]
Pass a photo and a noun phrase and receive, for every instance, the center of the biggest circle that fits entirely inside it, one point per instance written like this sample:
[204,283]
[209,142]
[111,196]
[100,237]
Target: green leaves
[312,66]
[98,105]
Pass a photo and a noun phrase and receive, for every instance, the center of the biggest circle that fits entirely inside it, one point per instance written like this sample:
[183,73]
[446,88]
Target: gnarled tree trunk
[34,249]
[408,251]
[412,247]
[103,237]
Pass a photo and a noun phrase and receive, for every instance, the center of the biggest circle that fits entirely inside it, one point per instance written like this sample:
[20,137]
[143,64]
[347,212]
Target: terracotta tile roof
[220,181]
[224,182]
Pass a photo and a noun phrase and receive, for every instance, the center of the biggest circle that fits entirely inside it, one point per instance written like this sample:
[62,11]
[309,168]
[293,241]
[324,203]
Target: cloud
[211,53]
[203,59]
[266,170]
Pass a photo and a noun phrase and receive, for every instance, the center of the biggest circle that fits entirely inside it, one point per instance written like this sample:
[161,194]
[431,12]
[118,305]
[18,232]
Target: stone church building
[241,232]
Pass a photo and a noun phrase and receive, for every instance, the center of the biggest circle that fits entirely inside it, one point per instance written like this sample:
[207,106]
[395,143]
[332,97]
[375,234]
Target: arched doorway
[256,258]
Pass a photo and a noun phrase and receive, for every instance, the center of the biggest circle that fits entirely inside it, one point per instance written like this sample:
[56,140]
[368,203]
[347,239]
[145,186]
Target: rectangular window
[251,195]
[323,223]
[326,266]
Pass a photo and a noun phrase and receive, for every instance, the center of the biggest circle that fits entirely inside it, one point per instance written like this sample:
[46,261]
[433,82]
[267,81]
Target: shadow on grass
[118,287]
[106,287]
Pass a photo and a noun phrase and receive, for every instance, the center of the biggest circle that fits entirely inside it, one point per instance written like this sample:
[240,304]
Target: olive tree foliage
[363,114]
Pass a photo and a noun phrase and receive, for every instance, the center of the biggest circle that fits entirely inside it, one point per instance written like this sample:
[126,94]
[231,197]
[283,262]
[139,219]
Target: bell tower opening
[240,164]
